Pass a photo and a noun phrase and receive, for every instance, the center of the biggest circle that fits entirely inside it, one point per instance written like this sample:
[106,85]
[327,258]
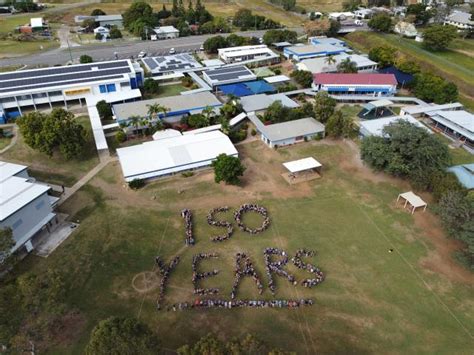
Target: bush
[115,33]
[84,59]
[120,137]
[253,132]
[136,184]
[98,36]
[151,86]
[187,174]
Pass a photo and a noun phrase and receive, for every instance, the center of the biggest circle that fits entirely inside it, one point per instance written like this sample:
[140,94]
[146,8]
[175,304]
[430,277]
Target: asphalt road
[106,51]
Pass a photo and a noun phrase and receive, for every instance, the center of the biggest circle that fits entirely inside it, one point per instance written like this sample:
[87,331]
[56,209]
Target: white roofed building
[324,65]
[25,205]
[166,32]
[460,19]
[375,127]
[256,53]
[457,124]
[166,157]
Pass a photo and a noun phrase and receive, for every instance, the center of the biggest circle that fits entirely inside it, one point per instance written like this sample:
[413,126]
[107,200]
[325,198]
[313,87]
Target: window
[7,99]
[111,88]
[103,89]
[40,95]
[40,205]
[17,224]
[55,93]
[124,84]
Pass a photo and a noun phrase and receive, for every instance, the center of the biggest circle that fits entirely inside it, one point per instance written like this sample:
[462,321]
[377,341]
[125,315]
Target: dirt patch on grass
[70,328]
[441,260]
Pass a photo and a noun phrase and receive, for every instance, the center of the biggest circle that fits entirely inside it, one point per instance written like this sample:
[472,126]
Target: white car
[201,48]
[142,54]
[172,51]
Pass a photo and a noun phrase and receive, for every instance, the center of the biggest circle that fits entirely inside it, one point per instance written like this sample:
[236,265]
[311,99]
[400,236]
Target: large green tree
[324,106]
[384,55]
[347,66]
[57,131]
[340,126]
[105,110]
[302,77]
[430,87]
[438,37]
[381,23]
[228,169]
[117,336]
[138,16]
[211,45]
[408,151]
[274,36]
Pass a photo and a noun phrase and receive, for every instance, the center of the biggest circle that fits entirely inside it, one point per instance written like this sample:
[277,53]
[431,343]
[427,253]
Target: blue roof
[238,90]
[465,174]
[259,87]
[402,77]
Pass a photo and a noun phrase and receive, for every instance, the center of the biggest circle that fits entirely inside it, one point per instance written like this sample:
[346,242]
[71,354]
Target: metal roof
[465,174]
[228,75]
[355,79]
[302,164]
[320,65]
[315,48]
[185,103]
[16,192]
[413,110]
[375,127]
[459,121]
[262,102]
[291,129]
[276,79]
[170,63]
[108,18]
[166,156]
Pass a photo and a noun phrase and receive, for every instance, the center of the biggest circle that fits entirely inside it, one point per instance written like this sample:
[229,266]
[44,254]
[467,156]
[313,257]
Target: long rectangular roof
[315,48]
[61,76]
[354,79]
[459,121]
[292,129]
[16,192]
[320,65]
[167,156]
[413,110]
[179,103]
[302,164]
[375,127]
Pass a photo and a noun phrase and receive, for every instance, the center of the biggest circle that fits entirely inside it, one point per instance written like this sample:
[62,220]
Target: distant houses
[460,19]
[166,32]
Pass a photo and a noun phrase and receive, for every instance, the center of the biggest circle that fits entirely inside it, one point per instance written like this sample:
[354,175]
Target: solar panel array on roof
[171,63]
[40,86]
[35,73]
[23,84]
[227,73]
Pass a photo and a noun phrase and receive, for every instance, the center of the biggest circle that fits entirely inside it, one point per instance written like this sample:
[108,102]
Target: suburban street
[106,51]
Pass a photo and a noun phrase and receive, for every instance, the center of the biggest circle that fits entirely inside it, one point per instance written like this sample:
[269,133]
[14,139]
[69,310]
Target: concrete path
[65,38]
[69,191]
[14,138]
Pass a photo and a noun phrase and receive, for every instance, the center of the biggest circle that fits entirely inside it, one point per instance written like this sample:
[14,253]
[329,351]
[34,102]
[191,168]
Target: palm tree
[330,60]
[154,111]
[135,121]
[347,66]
[208,112]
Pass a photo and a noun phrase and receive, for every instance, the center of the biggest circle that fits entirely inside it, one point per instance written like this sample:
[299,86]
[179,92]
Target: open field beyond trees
[455,64]
[414,300]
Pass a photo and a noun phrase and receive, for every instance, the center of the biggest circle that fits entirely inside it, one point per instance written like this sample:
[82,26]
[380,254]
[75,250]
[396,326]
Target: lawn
[4,141]
[12,48]
[168,90]
[54,170]
[451,64]
[410,301]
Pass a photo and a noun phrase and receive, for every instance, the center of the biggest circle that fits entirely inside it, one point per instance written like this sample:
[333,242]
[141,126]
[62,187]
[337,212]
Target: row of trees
[212,44]
[426,86]
[274,36]
[322,27]
[245,20]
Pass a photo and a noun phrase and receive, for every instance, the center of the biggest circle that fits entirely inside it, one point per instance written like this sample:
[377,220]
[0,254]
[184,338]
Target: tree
[211,45]
[234,40]
[288,5]
[381,23]
[151,86]
[407,150]
[6,243]
[303,77]
[421,13]
[317,27]
[57,131]
[208,344]
[89,25]
[274,36]
[105,110]
[98,12]
[324,106]
[330,59]
[456,209]
[135,121]
[228,169]
[339,125]
[351,5]
[138,16]
[334,27]
[84,59]
[198,121]
[433,88]
[347,66]
[115,33]
[117,335]
[154,111]
[384,55]
[438,37]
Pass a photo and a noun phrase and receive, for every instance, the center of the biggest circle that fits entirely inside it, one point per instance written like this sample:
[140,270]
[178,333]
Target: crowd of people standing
[244,267]
[256,208]
[318,274]
[165,272]
[201,275]
[276,267]
[188,225]
[218,303]
[211,220]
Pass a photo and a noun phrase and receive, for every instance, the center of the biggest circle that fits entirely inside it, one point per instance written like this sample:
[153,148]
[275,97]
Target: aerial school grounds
[391,284]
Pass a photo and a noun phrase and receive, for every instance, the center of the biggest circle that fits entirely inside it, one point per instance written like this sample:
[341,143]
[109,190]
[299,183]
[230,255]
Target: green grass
[12,48]
[168,90]
[4,141]
[372,301]
[55,170]
[450,64]
[458,155]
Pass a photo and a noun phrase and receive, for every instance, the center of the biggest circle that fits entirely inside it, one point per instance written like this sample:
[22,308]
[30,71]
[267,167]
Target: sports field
[414,300]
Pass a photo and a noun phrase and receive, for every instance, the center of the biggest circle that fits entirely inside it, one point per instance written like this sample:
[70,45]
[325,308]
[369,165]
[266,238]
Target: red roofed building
[356,84]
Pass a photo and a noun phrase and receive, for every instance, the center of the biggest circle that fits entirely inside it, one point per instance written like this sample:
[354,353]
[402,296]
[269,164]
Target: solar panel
[150,62]
[31,87]
[63,77]
[228,76]
[62,70]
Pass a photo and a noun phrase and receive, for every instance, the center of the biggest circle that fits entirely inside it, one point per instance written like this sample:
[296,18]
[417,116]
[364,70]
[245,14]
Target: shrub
[136,184]
[187,174]
[120,137]
[253,132]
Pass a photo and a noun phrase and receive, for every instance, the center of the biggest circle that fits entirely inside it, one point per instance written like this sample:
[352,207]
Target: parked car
[201,48]
[142,54]
[172,51]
